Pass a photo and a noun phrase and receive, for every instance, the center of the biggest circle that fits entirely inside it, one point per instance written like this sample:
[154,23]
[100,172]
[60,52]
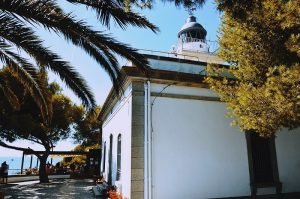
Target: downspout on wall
[148,144]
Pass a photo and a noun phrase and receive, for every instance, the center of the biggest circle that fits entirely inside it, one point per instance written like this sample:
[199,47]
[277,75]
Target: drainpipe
[149,141]
[147,144]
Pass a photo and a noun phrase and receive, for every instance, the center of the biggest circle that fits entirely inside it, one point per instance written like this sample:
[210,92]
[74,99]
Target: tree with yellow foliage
[260,39]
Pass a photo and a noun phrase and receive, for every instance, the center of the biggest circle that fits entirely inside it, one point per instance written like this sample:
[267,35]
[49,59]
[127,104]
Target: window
[119,151]
[110,160]
[104,157]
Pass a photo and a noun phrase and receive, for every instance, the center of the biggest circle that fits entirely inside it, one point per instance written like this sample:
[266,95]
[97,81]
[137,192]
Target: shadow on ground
[62,188]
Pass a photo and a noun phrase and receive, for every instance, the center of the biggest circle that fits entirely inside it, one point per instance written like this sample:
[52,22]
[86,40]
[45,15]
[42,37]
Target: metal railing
[172,54]
[16,171]
[191,39]
[213,46]
[168,54]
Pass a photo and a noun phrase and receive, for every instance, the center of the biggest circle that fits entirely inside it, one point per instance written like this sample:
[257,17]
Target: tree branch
[3,144]
[30,139]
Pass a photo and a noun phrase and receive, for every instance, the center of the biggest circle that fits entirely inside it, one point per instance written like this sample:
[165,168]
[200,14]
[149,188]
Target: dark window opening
[119,151]
[262,163]
[110,160]
[104,158]
[261,159]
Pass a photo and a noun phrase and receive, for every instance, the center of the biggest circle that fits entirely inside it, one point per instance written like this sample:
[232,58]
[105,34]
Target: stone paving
[57,189]
[78,189]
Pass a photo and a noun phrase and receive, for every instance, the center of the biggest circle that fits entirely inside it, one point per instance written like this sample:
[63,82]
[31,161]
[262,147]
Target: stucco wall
[119,122]
[196,153]
[288,158]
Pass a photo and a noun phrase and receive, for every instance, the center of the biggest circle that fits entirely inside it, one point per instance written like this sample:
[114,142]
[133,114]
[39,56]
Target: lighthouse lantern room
[192,37]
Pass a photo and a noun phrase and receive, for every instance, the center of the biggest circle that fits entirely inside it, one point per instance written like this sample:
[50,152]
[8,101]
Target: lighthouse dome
[192,29]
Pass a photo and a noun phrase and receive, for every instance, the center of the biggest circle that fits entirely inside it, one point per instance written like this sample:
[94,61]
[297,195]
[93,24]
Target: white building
[167,136]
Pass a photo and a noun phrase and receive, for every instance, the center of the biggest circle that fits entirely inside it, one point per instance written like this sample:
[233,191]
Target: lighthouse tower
[192,37]
[192,43]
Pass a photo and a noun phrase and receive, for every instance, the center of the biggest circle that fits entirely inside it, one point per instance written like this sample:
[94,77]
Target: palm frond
[106,10]
[101,47]
[76,31]
[104,41]
[72,31]
[23,37]
[189,4]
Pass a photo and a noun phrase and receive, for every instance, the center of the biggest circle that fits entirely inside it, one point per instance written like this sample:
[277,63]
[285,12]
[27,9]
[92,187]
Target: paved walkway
[57,189]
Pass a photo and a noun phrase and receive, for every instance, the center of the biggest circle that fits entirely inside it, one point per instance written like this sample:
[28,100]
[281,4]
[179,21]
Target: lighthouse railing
[168,54]
[191,39]
[173,54]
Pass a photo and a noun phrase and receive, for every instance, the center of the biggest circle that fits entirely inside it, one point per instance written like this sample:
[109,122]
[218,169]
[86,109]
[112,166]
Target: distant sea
[15,163]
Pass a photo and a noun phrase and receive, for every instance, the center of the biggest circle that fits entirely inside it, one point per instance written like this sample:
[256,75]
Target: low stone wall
[23,178]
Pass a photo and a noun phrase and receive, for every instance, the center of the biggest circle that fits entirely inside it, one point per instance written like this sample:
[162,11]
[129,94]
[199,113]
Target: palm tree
[190,5]
[17,18]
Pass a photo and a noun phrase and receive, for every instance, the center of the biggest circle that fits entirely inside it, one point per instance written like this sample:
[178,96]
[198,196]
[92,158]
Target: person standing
[72,167]
[5,168]
[1,174]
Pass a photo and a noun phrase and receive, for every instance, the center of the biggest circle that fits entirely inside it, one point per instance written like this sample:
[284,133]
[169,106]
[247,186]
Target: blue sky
[166,16]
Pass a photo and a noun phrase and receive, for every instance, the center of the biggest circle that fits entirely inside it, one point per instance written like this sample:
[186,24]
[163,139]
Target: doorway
[262,160]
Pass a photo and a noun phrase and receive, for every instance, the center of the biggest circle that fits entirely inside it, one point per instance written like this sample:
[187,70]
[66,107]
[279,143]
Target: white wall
[196,153]
[288,158]
[119,122]
[172,89]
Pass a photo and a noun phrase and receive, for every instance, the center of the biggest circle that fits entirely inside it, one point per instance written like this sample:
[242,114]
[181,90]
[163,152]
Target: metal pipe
[149,141]
[146,196]
[148,144]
